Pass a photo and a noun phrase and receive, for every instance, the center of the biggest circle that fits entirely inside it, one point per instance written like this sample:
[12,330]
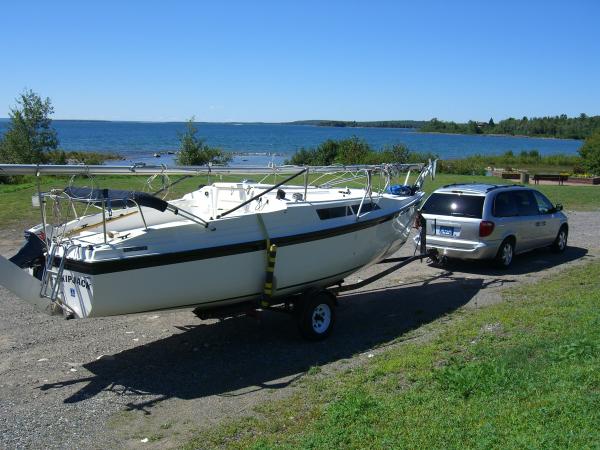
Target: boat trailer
[314,309]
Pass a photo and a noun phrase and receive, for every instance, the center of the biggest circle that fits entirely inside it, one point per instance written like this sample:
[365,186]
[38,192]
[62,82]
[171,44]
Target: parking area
[114,382]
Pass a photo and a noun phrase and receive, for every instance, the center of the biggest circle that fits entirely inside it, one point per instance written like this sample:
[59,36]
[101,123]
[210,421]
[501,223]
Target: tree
[473,127]
[590,152]
[352,151]
[398,153]
[194,152]
[30,136]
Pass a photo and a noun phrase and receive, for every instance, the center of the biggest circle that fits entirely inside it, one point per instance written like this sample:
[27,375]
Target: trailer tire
[316,315]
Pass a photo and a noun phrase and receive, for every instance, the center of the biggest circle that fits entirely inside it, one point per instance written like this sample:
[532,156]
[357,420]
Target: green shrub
[590,153]
[11,179]
[355,151]
[344,151]
[88,158]
[462,167]
[302,157]
[194,152]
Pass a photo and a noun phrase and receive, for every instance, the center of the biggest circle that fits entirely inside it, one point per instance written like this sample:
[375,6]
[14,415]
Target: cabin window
[366,207]
[343,211]
[333,213]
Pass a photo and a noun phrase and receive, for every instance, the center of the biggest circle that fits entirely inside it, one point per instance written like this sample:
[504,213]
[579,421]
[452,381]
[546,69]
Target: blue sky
[286,60]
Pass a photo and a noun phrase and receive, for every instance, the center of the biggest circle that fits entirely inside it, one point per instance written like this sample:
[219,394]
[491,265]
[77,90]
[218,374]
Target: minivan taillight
[485,228]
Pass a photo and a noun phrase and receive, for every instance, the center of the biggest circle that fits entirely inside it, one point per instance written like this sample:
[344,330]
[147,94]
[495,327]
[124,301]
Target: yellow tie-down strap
[268,288]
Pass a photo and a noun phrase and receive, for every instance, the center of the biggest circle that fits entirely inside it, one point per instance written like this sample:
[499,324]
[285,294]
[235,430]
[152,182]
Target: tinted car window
[526,204]
[454,205]
[544,205]
[504,205]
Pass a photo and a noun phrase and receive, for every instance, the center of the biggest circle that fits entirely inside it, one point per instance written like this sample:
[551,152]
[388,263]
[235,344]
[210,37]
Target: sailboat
[222,244]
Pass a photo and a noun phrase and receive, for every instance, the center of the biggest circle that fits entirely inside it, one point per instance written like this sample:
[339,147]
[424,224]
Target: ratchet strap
[271,249]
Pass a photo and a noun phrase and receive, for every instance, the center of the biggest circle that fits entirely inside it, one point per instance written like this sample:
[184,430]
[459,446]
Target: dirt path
[113,382]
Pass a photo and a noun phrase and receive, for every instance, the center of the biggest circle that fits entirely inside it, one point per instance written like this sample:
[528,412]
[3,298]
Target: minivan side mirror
[558,207]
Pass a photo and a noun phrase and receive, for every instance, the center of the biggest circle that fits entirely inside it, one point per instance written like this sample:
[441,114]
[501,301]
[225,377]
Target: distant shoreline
[413,125]
[552,138]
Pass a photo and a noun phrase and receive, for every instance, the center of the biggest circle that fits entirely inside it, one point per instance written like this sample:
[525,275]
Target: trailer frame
[308,306]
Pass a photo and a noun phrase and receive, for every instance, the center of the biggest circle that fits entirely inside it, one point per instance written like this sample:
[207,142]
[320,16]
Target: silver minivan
[484,221]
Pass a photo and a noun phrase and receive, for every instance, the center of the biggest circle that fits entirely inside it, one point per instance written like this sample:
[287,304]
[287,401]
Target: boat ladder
[52,277]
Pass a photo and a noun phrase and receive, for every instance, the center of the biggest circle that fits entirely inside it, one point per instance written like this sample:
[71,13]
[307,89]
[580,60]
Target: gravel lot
[115,382]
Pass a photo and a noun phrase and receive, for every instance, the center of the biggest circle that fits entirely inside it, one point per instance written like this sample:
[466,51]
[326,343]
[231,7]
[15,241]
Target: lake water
[261,143]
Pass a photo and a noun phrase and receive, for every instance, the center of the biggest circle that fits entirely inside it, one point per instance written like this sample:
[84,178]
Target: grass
[15,199]
[16,209]
[524,373]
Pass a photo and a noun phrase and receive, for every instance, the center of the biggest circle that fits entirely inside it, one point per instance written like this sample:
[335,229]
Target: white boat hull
[312,259]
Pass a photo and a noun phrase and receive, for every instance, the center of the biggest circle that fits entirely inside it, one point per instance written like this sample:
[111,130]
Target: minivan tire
[505,255]
[560,243]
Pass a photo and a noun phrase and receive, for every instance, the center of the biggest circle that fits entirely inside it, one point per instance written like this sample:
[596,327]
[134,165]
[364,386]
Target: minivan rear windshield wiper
[460,214]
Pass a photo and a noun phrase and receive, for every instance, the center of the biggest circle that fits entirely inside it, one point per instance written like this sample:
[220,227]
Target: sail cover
[114,198]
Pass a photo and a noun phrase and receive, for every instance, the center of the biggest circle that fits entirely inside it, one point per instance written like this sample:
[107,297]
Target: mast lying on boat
[144,169]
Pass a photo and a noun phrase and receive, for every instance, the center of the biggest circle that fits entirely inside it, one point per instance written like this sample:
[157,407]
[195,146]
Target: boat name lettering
[79,281]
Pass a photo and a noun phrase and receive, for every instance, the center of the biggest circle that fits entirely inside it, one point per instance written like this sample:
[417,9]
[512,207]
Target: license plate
[446,231]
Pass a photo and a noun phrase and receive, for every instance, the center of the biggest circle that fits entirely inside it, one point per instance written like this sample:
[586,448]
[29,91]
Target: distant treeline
[561,126]
[354,124]
[555,126]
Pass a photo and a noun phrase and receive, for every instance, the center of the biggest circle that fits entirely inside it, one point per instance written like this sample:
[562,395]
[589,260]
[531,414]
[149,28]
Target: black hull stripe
[330,232]
[142,262]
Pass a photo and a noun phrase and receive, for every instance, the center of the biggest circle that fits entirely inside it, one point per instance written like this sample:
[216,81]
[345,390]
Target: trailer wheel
[316,315]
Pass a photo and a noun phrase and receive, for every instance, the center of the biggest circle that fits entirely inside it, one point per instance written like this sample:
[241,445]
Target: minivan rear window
[454,205]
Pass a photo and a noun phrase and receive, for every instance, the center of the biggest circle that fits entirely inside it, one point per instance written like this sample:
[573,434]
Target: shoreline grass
[16,209]
[524,373]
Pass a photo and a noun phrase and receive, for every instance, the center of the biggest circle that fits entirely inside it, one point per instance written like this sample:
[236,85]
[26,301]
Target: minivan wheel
[560,243]
[505,255]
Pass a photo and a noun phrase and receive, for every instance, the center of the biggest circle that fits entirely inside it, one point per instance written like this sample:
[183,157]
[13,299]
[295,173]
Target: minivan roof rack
[496,186]
[490,188]
[460,184]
